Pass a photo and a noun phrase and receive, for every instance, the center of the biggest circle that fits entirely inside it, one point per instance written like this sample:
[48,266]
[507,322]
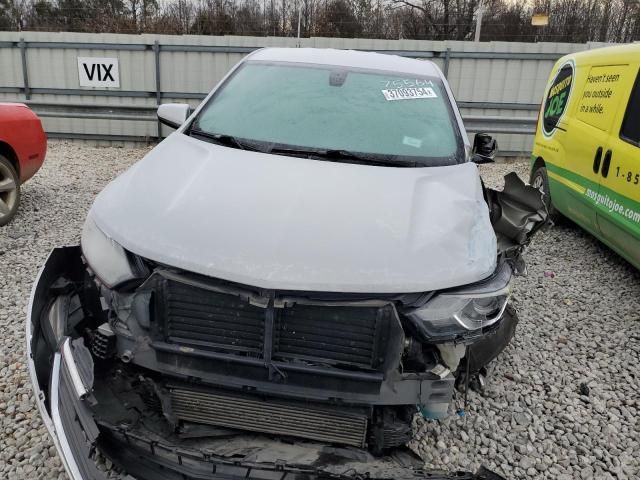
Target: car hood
[290,223]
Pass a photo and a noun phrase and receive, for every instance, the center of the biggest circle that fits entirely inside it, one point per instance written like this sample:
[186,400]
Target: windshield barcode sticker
[408,93]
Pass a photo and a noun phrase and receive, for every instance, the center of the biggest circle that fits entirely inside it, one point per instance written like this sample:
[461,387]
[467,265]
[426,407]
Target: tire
[540,180]
[9,191]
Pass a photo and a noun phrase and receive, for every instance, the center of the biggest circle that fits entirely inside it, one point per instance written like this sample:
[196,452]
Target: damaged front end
[170,374]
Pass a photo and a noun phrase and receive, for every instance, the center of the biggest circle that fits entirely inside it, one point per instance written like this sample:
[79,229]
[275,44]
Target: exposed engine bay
[178,375]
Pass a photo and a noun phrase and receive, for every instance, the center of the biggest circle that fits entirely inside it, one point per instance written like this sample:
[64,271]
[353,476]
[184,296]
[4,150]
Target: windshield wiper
[342,156]
[332,155]
[380,160]
[223,139]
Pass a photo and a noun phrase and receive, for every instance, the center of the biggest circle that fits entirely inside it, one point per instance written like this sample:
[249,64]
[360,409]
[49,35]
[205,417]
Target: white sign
[98,72]
[408,93]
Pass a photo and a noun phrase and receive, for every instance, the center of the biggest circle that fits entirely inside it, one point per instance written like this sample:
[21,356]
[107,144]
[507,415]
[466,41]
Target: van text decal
[612,205]
[557,99]
[602,92]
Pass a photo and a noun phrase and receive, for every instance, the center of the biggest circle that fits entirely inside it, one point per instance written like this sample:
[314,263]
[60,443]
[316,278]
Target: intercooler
[269,416]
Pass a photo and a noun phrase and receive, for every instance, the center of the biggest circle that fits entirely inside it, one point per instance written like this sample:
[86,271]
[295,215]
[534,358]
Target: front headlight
[465,311]
[107,259]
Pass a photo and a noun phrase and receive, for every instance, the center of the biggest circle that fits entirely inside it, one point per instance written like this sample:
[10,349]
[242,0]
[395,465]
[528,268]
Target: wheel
[9,191]
[540,180]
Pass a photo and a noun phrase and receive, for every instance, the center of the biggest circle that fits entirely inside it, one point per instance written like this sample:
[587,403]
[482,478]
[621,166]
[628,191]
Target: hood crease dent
[289,223]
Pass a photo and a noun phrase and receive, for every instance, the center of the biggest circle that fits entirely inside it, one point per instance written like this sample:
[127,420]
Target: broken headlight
[462,312]
[107,259]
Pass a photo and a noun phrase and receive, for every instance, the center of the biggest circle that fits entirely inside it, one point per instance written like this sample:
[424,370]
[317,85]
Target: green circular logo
[557,98]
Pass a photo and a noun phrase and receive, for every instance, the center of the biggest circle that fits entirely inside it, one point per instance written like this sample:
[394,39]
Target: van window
[557,98]
[630,130]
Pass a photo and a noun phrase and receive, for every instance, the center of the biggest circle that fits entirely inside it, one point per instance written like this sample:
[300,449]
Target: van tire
[10,192]
[540,180]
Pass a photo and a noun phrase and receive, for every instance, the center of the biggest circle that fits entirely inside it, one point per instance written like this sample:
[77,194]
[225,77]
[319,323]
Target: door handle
[596,160]
[606,164]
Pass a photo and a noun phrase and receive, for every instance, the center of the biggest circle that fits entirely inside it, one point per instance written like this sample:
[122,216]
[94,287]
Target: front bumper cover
[59,381]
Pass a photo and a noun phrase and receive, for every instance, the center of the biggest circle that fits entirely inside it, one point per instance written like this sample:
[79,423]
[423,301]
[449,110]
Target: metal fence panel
[489,80]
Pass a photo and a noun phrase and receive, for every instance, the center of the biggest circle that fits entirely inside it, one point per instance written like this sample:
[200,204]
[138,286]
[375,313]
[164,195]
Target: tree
[337,19]
[507,20]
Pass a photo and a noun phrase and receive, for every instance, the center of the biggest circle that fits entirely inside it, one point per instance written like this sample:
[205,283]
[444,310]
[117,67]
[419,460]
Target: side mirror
[173,114]
[484,148]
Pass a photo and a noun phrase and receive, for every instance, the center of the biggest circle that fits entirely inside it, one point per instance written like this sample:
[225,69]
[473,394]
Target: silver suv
[309,260]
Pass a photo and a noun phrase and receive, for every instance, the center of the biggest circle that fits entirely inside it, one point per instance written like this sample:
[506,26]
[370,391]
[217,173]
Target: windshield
[294,108]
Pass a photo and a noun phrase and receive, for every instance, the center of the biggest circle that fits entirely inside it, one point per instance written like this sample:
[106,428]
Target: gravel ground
[562,404]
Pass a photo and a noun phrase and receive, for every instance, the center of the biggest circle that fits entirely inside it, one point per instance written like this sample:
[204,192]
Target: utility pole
[299,23]
[479,14]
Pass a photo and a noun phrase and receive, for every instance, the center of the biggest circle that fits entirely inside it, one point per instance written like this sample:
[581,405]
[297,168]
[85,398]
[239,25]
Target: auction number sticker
[408,93]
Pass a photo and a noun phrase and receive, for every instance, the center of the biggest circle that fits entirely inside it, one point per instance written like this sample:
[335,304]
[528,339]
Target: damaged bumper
[58,396]
[85,412]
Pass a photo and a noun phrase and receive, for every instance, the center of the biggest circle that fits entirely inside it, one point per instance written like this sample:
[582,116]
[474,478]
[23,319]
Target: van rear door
[618,199]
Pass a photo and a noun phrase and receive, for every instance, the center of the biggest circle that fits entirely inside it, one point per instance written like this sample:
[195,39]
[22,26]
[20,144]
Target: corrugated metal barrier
[498,85]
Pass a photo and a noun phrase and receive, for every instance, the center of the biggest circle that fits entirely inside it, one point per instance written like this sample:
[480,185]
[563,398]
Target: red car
[23,145]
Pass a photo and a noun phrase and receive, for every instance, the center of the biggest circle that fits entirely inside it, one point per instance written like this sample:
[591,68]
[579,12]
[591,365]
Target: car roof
[348,58]
[614,54]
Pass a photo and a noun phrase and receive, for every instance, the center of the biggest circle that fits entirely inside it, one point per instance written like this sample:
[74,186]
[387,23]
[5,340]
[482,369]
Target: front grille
[271,417]
[351,337]
[339,335]
[201,317]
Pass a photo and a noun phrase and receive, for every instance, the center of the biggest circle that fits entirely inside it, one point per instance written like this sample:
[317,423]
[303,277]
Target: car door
[618,201]
[571,145]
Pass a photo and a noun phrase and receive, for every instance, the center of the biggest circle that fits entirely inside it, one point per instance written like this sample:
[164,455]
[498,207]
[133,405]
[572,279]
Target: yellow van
[586,155]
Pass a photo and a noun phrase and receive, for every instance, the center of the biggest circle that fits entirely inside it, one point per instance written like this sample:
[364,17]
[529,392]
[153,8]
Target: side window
[557,98]
[630,130]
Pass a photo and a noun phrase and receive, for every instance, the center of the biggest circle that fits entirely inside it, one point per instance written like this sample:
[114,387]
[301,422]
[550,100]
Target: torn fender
[517,213]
